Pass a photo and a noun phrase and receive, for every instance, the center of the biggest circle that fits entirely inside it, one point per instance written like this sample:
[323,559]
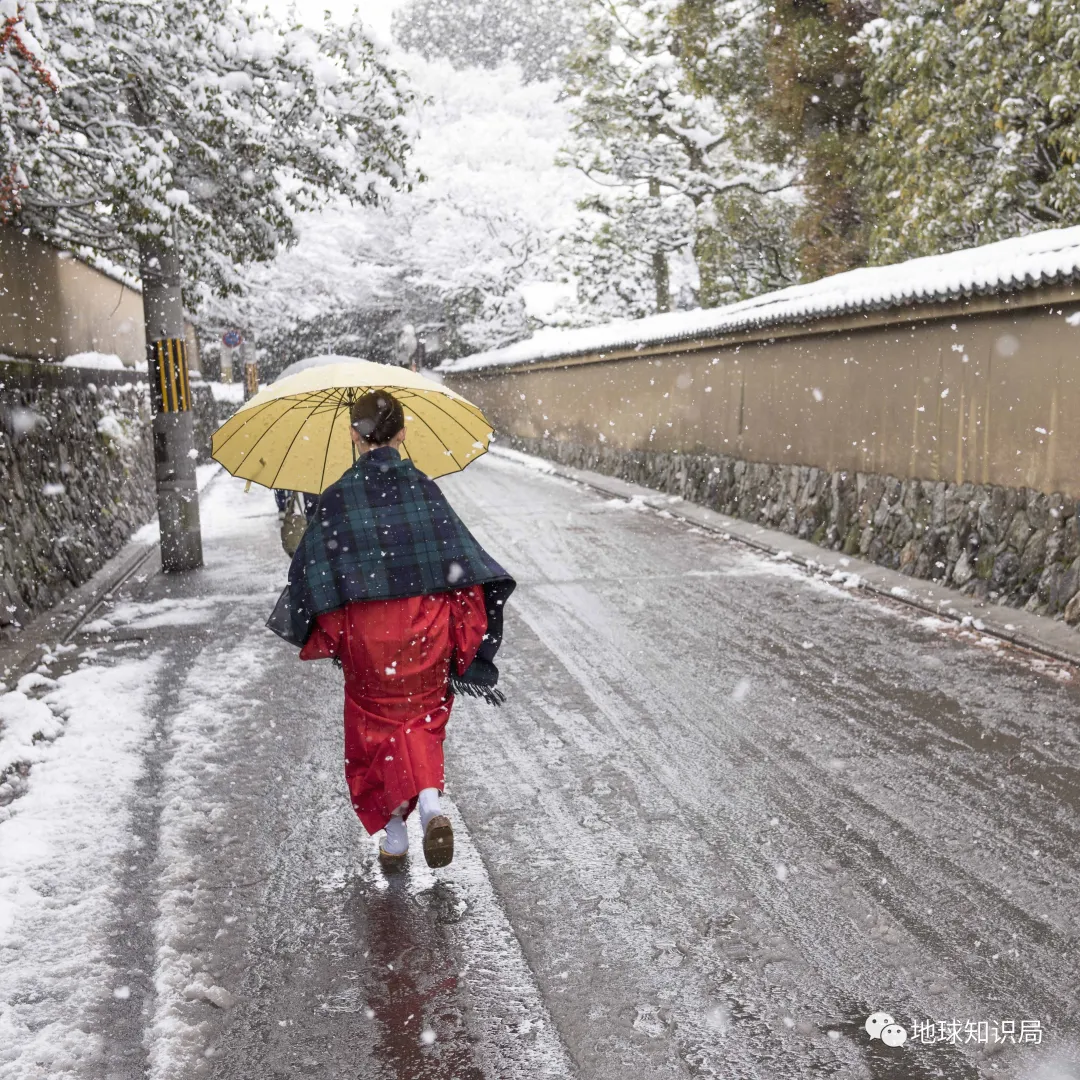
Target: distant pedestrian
[388,581]
[282,496]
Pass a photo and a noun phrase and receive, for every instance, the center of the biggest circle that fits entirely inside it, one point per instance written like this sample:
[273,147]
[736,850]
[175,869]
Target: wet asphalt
[728,811]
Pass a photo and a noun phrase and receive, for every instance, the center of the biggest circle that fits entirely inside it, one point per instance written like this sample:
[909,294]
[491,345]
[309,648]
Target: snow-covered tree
[203,126]
[811,113]
[536,35]
[975,112]
[187,137]
[665,155]
[27,87]
[460,251]
[744,238]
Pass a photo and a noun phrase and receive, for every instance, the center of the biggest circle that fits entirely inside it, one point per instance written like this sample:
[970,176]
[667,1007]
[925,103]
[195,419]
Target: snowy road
[728,811]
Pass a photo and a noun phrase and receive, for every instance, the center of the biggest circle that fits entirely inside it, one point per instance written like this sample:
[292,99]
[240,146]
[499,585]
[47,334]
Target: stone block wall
[1017,546]
[209,415]
[76,477]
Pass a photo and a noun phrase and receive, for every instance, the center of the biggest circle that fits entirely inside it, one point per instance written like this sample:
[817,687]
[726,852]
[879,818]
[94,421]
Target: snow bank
[1008,266]
[168,611]
[101,362]
[231,393]
[61,843]
[537,464]
[27,730]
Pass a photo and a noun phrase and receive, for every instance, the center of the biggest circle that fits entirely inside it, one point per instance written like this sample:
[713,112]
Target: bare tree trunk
[662,278]
[660,269]
[170,391]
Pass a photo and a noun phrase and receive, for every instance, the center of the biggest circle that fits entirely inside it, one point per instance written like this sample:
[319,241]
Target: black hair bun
[378,416]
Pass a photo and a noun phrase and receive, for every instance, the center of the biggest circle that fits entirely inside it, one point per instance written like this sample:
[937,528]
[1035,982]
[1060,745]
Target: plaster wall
[989,398]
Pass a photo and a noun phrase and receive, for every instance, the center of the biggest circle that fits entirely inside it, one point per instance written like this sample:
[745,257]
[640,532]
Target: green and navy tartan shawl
[382,532]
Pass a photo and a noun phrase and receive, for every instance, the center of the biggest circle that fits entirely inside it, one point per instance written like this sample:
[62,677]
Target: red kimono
[396,658]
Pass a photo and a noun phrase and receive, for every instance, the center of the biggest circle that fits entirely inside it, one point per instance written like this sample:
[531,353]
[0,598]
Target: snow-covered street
[729,810]
[656,423]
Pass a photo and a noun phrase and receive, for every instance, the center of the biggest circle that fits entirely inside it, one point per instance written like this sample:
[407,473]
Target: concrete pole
[170,392]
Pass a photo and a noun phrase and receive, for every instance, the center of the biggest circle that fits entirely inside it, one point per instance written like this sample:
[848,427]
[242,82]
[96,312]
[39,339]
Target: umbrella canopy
[317,361]
[295,433]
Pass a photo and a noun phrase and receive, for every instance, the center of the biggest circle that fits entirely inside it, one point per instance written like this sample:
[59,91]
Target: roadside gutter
[22,653]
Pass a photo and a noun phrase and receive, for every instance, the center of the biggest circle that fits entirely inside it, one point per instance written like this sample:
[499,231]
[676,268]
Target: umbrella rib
[292,443]
[397,391]
[295,405]
[474,438]
[326,455]
[247,420]
[450,416]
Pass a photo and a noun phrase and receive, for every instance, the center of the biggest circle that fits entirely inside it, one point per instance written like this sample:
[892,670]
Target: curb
[61,623]
[1037,633]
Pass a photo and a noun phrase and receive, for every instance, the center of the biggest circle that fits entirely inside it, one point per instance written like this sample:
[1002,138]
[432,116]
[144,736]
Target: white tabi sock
[396,841]
[429,805]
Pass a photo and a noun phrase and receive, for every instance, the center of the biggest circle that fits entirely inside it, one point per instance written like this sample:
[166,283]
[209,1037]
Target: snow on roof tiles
[1009,266]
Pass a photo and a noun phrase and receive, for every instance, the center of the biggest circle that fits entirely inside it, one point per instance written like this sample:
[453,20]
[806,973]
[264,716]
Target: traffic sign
[232,339]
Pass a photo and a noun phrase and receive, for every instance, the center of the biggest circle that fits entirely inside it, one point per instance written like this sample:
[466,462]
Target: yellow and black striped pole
[169,384]
[251,379]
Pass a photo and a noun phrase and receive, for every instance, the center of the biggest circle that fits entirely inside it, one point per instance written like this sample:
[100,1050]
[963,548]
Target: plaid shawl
[382,532]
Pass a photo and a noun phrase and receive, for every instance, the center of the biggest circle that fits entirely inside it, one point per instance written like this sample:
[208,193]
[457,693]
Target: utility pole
[170,392]
[251,370]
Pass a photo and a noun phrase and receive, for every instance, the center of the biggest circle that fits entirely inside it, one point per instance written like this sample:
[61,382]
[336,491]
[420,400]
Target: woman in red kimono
[382,533]
[396,655]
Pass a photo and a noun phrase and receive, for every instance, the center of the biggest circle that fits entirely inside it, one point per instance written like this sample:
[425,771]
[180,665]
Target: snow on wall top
[1008,266]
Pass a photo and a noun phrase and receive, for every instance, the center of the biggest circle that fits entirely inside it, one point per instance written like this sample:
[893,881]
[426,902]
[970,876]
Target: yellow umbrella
[294,434]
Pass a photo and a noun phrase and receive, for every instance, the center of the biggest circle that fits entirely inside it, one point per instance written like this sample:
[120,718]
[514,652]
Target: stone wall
[1017,546]
[76,477]
[209,415]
